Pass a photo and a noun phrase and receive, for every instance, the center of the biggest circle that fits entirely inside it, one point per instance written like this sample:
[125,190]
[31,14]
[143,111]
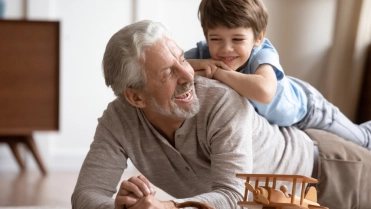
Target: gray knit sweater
[226,137]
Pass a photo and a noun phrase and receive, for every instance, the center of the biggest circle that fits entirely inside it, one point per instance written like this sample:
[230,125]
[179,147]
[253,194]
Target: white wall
[300,30]
[14,9]
[180,16]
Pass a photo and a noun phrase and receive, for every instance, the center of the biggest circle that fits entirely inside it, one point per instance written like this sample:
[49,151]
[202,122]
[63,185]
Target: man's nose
[186,74]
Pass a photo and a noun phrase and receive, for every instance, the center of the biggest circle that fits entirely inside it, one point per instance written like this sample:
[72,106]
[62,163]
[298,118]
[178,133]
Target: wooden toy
[268,197]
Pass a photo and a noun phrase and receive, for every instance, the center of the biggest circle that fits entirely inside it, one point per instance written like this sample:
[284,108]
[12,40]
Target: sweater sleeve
[100,172]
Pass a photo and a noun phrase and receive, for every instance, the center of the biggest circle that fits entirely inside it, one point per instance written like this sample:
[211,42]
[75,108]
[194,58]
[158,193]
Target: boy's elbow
[265,100]
[267,96]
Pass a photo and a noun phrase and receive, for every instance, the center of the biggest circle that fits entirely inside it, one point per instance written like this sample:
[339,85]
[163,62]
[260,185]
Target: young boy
[236,53]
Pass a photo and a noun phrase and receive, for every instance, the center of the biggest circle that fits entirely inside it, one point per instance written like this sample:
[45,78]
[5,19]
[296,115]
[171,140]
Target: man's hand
[132,190]
[150,202]
[207,67]
[138,193]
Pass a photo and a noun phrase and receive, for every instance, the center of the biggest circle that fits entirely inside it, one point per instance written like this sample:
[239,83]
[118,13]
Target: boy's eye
[237,39]
[215,39]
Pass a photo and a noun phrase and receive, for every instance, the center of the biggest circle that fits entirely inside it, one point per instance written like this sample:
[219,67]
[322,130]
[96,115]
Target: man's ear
[134,97]
[260,38]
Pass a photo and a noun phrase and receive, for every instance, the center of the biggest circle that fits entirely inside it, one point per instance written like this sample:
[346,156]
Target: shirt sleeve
[100,172]
[200,52]
[267,56]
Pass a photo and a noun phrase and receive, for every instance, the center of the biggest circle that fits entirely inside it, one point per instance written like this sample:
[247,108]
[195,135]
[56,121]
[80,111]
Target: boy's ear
[260,38]
[134,97]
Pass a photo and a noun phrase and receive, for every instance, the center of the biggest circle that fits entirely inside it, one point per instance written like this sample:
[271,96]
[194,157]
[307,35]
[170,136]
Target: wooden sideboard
[29,82]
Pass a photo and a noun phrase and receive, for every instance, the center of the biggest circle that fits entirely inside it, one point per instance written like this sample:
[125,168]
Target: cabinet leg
[13,141]
[32,146]
[13,147]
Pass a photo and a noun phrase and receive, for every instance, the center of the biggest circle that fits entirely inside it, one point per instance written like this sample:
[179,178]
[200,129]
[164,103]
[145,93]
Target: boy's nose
[227,47]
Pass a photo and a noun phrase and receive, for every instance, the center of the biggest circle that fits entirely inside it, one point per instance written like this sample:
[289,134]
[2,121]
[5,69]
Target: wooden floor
[31,188]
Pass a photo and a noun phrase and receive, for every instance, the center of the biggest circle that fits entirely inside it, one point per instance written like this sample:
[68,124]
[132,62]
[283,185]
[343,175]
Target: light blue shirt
[289,104]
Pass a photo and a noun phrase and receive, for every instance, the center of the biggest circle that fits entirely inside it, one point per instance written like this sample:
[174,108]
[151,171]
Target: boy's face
[232,46]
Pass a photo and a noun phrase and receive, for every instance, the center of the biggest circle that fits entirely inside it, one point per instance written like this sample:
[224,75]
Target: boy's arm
[260,87]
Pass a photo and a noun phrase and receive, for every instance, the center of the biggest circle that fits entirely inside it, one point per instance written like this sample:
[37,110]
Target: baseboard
[63,161]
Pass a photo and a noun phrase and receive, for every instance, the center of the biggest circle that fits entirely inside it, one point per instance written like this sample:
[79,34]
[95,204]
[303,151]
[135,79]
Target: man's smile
[186,96]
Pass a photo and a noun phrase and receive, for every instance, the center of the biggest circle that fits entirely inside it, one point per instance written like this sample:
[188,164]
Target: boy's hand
[207,67]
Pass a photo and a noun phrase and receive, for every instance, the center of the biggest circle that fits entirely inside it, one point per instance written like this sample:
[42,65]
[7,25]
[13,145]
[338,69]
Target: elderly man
[181,133]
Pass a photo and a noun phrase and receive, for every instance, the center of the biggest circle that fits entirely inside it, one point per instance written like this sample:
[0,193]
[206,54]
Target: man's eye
[167,72]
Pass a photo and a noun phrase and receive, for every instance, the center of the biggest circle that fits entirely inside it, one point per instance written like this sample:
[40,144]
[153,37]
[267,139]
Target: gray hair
[125,50]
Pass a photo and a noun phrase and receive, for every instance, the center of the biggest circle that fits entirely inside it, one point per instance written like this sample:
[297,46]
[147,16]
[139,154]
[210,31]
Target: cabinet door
[29,76]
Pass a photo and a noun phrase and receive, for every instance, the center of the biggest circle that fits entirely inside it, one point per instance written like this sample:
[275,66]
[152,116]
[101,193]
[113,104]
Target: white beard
[175,110]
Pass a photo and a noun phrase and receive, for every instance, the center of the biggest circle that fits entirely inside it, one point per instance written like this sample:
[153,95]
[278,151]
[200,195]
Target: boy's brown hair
[233,14]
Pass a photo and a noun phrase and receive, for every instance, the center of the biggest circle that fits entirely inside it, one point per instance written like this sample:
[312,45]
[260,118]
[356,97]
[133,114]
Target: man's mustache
[183,88]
